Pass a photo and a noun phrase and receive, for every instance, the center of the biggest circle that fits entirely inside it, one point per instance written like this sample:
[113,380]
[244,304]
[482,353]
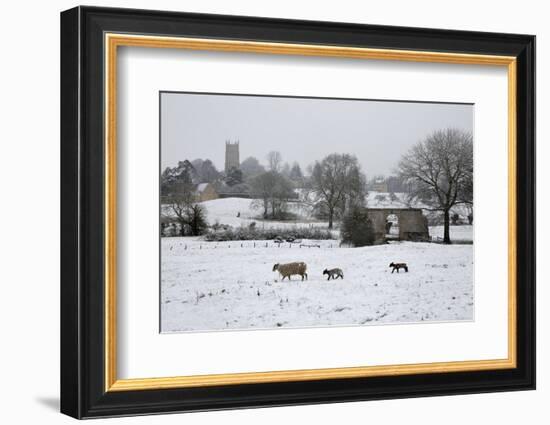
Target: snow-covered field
[230,285]
[463,233]
[217,286]
[225,211]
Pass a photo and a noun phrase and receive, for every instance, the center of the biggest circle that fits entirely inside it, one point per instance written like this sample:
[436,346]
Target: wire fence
[254,244]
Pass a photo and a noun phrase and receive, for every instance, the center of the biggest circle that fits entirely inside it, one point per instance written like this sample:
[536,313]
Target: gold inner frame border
[113,40]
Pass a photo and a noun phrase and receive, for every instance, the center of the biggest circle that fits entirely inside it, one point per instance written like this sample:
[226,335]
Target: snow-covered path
[210,286]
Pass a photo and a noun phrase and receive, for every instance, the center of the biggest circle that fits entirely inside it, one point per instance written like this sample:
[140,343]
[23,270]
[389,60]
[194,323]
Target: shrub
[196,219]
[357,228]
[454,218]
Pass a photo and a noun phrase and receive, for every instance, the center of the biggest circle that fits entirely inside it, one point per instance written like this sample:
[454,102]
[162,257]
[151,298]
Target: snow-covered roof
[201,187]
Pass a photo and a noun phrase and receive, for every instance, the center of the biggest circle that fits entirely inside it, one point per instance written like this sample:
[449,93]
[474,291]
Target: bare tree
[338,183]
[355,193]
[262,189]
[282,192]
[274,161]
[183,205]
[439,170]
[179,204]
[273,191]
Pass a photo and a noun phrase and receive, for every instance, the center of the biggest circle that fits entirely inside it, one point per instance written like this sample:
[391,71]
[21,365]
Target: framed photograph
[261,212]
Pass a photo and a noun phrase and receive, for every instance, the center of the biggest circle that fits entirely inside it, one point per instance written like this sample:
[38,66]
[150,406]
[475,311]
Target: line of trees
[336,184]
[204,171]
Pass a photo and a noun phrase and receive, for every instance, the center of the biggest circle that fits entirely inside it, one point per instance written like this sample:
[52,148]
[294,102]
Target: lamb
[334,273]
[397,266]
[287,270]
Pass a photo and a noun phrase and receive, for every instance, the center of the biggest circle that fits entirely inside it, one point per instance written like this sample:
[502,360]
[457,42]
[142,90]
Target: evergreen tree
[234,177]
[296,172]
[357,228]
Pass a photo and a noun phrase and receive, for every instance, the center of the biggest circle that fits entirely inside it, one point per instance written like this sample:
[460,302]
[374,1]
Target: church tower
[231,155]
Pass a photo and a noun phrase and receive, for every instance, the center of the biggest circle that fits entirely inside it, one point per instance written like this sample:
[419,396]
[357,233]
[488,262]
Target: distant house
[379,184]
[206,192]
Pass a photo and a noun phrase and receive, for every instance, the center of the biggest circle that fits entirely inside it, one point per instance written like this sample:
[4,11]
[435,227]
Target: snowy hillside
[216,286]
[241,212]
[225,211]
[386,200]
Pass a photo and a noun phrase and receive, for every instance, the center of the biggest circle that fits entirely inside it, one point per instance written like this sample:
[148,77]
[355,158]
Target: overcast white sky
[304,130]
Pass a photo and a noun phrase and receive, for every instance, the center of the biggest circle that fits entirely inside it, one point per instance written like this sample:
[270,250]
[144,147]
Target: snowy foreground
[217,286]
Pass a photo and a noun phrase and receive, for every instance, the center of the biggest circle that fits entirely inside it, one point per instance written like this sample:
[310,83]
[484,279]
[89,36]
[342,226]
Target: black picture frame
[83,392]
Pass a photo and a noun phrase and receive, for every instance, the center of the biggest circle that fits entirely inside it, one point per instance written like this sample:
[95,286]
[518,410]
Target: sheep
[397,266]
[287,270]
[334,273]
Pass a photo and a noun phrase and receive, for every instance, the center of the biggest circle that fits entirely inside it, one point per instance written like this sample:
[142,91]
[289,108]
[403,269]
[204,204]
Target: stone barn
[406,224]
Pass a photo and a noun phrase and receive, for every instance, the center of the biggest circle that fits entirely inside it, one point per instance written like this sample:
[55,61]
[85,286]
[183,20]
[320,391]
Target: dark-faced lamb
[397,266]
[334,273]
[289,269]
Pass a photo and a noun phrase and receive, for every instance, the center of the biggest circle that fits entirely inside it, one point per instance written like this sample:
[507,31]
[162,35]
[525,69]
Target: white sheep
[287,270]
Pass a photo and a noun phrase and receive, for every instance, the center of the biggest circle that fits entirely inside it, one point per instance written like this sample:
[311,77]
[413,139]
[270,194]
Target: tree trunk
[446,235]
[194,226]
[330,215]
[182,229]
